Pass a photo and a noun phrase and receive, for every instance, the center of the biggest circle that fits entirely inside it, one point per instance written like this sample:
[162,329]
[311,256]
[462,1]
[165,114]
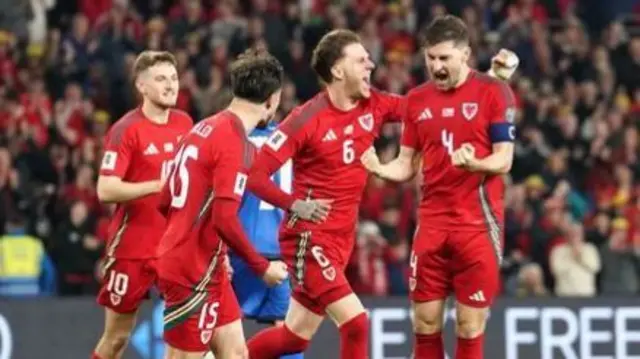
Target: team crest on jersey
[469,110]
[115,299]
[366,121]
[329,274]
[205,336]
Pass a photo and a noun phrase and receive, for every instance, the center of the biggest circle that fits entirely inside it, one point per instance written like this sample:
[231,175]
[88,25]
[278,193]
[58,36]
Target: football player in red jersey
[325,138]
[138,156]
[462,124]
[201,202]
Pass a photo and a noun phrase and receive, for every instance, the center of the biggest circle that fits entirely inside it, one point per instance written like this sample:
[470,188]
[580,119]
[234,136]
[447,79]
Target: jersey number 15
[179,199]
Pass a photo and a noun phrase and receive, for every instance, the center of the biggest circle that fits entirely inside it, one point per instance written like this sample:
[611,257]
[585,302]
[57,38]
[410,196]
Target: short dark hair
[446,28]
[255,75]
[147,59]
[329,50]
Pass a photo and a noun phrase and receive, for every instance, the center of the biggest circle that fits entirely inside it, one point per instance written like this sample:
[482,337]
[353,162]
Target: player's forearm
[113,190]
[261,185]
[230,230]
[398,170]
[496,163]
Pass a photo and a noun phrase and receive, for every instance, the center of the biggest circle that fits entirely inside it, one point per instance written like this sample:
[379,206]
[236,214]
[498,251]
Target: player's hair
[255,75]
[329,50]
[147,59]
[446,28]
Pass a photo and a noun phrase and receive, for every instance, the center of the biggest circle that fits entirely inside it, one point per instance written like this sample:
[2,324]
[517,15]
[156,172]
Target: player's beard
[354,89]
[164,102]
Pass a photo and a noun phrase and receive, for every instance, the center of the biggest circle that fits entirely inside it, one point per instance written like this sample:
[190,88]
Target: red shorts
[126,283]
[316,262]
[465,263]
[191,317]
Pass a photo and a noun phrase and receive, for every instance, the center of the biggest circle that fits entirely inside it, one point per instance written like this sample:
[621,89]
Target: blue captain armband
[502,132]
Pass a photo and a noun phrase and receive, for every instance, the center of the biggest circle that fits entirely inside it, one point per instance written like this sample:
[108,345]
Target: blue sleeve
[48,276]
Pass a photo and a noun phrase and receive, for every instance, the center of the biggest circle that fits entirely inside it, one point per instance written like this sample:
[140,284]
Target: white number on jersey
[167,167]
[348,153]
[178,200]
[447,141]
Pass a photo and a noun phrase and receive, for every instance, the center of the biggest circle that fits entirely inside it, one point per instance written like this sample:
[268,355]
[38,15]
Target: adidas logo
[477,296]
[151,150]
[425,115]
[330,136]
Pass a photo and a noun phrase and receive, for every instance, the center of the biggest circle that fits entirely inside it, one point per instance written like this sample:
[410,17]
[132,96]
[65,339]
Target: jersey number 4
[447,141]
[180,198]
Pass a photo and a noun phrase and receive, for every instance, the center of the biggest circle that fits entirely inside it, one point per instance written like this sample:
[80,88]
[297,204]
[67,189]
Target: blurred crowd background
[572,224]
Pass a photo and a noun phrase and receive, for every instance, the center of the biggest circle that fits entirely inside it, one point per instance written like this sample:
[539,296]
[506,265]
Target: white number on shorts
[319,256]
[447,141]
[179,199]
[208,316]
[413,263]
[118,283]
[348,153]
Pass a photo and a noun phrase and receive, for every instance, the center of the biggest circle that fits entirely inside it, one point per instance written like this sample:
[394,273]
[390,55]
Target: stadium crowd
[572,225]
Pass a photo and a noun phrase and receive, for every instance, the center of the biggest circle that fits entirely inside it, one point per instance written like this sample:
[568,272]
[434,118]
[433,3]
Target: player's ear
[466,52]
[139,85]
[337,71]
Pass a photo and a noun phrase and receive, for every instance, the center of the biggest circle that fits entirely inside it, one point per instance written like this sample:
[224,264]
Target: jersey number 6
[179,199]
[348,153]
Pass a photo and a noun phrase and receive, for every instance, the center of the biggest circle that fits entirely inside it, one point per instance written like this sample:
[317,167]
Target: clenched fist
[504,64]
[276,273]
[464,157]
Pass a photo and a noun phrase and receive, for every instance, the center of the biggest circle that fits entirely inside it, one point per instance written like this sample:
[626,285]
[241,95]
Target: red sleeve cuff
[261,185]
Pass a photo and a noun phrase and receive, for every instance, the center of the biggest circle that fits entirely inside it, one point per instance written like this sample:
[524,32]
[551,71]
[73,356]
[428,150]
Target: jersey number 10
[179,199]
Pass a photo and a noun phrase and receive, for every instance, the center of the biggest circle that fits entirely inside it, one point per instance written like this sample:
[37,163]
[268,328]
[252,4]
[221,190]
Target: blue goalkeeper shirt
[260,219]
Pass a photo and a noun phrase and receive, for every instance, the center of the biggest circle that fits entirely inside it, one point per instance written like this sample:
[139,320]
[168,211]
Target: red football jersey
[213,160]
[481,112]
[138,150]
[326,144]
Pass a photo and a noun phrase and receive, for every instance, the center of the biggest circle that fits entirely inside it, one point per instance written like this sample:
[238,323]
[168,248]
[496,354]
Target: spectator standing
[76,251]
[25,268]
[575,264]
[620,274]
